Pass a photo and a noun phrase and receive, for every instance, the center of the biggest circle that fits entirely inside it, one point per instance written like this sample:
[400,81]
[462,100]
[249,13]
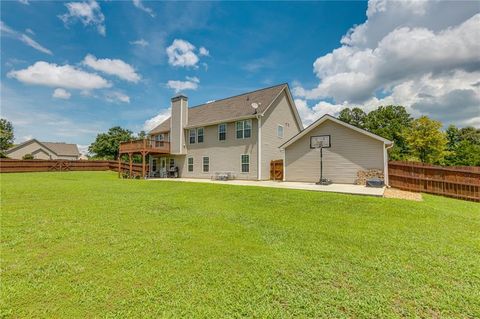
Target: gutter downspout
[259,147]
[385,164]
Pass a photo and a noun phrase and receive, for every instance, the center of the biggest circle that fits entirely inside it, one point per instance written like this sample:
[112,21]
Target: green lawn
[85,244]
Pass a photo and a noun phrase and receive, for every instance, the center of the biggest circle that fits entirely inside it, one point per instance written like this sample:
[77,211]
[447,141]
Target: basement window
[190,164]
[206,164]
[245,159]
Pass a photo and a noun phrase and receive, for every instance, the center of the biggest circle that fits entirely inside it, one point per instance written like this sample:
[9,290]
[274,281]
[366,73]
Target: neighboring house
[226,136]
[44,150]
[351,150]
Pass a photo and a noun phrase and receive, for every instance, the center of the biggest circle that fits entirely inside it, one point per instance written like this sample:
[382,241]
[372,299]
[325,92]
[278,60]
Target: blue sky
[70,70]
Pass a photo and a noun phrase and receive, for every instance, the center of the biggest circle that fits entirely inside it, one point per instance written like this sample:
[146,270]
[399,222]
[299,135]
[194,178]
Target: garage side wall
[351,151]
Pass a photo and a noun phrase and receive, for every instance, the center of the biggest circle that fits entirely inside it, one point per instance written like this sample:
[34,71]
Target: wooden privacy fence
[18,166]
[461,182]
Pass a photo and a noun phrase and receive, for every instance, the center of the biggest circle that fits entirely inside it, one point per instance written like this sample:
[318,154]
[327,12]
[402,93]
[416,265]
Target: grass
[86,244]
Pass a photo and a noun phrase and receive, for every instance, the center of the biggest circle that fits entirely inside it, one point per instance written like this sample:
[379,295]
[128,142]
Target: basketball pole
[321,164]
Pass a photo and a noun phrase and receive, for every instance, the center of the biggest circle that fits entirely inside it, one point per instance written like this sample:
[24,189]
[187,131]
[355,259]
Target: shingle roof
[63,148]
[227,109]
[57,148]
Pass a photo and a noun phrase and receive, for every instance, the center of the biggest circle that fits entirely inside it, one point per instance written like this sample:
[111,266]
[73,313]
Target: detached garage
[351,150]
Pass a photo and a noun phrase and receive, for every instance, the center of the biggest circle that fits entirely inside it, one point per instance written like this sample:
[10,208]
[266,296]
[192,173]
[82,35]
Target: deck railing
[145,145]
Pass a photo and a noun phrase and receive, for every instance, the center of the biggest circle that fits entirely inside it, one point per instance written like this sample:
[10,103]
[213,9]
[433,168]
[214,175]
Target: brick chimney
[177,124]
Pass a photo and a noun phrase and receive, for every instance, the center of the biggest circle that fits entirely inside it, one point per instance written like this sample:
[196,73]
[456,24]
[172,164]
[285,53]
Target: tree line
[421,139]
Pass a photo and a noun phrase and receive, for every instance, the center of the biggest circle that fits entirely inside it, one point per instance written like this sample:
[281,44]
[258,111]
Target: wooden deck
[144,146]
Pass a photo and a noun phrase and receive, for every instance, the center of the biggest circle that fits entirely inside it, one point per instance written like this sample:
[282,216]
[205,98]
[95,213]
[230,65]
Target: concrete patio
[334,188]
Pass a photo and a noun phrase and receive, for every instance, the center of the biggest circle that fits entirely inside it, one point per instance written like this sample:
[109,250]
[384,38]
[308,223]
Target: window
[206,164]
[159,140]
[154,165]
[200,135]
[172,163]
[245,159]
[190,164]
[244,129]
[280,131]
[222,132]
[192,135]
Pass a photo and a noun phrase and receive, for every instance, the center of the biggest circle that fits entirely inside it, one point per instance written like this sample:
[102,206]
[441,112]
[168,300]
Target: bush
[28,157]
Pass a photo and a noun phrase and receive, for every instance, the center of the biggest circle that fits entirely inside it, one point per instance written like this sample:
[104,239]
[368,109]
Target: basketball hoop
[321,142]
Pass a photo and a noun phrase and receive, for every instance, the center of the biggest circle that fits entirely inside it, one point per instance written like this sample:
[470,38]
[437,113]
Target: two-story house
[238,135]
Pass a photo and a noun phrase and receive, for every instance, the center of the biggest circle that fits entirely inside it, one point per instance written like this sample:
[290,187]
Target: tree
[426,141]
[106,144]
[141,135]
[6,135]
[28,157]
[463,146]
[390,122]
[355,116]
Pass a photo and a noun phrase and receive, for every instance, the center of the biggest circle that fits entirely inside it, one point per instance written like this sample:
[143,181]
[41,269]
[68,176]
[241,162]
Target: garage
[346,151]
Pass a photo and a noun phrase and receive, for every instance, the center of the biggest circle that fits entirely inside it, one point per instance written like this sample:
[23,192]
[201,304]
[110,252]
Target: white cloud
[27,138]
[63,76]
[139,4]
[116,96]
[61,94]
[150,124]
[83,148]
[203,51]
[182,53]
[401,43]
[140,42]
[190,84]
[89,13]
[23,37]
[113,67]
[25,2]
[28,30]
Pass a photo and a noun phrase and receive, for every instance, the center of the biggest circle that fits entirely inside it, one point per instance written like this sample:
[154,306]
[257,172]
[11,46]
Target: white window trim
[203,135]
[203,164]
[241,164]
[243,129]
[188,164]
[283,131]
[218,129]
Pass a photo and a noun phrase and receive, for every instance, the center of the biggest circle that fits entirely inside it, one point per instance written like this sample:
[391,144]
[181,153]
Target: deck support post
[119,166]
[130,162]
[143,164]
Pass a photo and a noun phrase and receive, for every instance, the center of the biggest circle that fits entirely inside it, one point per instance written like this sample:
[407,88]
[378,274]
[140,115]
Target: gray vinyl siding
[280,112]
[224,155]
[37,150]
[351,151]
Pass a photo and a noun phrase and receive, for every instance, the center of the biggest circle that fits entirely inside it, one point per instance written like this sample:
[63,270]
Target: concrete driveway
[334,188]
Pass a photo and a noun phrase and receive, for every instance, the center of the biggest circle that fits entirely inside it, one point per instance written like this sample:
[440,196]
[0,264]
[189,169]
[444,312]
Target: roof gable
[333,119]
[55,148]
[231,109]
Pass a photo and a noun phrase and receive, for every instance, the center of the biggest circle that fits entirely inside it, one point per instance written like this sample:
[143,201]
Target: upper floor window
[222,132]
[200,135]
[244,129]
[280,131]
[192,136]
